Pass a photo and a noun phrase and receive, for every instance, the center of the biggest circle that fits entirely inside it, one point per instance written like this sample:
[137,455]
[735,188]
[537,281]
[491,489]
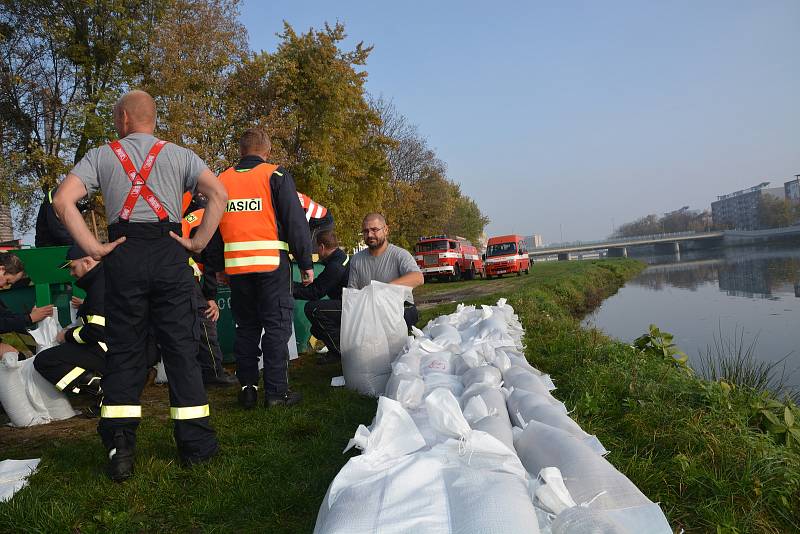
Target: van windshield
[429,246]
[500,249]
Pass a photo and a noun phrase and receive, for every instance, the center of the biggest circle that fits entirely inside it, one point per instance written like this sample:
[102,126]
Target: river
[707,296]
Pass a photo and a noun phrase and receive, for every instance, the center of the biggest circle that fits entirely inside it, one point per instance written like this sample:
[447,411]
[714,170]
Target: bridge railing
[617,242]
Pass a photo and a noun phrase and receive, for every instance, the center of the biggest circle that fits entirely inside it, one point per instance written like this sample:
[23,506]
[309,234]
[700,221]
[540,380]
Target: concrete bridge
[665,243]
[618,248]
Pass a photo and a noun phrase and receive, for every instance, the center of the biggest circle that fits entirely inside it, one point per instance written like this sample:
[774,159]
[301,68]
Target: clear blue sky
[566,116]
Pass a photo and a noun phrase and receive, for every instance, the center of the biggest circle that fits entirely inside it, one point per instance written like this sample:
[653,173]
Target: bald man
[149,282]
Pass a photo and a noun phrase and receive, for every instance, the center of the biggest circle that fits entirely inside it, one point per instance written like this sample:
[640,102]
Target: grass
[687,443]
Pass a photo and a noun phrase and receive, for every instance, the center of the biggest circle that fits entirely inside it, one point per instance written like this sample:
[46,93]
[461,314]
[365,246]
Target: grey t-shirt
[175,171]
[392,264]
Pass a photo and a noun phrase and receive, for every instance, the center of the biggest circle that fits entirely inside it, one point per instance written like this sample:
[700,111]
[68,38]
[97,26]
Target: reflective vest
[189,223]
[248,226]
[312,209]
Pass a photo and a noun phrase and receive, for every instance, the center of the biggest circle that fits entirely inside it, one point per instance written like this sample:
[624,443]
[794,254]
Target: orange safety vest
[313,210]
[189,223]
[249,227]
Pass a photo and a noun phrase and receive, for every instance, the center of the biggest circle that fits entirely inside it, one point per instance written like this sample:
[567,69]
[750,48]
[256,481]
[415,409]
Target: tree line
[683,220]
[63,63]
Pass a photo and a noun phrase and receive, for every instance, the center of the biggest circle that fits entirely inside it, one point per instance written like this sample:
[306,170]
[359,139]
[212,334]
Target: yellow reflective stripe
[346,261]
[253,260]
[69,377]
[112,412]
[239,246]
[103,346]
[189,412]
[96,319]
[278,173]
[76,335]
[195,268]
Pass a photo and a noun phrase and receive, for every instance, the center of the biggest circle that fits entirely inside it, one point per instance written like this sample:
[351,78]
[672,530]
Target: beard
[375,242]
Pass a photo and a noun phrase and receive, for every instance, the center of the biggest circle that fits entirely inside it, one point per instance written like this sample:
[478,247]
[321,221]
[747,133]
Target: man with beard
[384,262]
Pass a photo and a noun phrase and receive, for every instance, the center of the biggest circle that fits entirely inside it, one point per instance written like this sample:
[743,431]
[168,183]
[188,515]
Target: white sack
[407,363]
[45,333]
[445,414]
[521,404]
[373,333]
[13,393]
[14,476]
[406,389]
[44,396]
[482,375]
[437,362]
[587,475]
[440,380]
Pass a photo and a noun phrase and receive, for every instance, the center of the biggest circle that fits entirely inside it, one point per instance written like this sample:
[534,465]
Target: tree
[62,65]
[467,219]
[774,212]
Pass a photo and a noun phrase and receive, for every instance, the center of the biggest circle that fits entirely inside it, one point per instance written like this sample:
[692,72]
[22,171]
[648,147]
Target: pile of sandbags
[468,438]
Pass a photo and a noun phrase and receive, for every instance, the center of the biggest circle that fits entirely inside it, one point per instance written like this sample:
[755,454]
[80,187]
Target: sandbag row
[468,438]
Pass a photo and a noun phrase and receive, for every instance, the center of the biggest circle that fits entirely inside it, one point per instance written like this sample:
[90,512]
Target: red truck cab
[506,254]
[448,258]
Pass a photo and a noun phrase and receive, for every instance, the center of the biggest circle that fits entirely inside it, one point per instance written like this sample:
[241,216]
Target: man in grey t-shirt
[384,262]
[148,281]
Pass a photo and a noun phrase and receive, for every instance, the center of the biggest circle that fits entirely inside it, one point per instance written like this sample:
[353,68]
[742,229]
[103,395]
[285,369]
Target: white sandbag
[437,362]
[391,435]
[407,363]
[497,358]
[44,396]
[440,380]
[587,475]
[588,520]
[13,394]
[524,380]
[45,333]
[485,374]
[14,476]
[521,403]
[476,389]
[550,415]
[406,389]
[445,414]
[445,334]
[373,332]
[498,426]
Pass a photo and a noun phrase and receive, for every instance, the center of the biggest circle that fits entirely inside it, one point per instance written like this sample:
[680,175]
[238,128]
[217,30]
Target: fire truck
[506,254]
[448,258]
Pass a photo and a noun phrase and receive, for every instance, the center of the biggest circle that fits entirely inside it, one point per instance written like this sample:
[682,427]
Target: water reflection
[703,294]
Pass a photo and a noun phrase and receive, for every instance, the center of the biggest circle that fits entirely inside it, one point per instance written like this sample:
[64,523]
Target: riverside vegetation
[706,450]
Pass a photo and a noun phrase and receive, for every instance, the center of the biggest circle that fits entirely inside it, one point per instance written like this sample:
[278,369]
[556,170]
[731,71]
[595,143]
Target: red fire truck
[506,254]
[448,258]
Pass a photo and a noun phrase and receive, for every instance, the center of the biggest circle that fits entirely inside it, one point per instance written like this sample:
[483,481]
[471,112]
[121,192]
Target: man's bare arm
[69,193]
[412,280]
[212,188]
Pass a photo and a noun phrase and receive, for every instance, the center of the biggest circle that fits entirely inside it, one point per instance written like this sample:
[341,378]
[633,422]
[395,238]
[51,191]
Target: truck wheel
[456,273]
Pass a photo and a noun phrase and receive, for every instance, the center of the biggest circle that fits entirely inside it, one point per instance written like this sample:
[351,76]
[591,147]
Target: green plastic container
[225,324]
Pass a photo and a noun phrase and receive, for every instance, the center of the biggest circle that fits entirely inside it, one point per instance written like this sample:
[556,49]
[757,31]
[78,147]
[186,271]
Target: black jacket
[92,311]
[49,230]
[289,215]
[13,322]
[329,282]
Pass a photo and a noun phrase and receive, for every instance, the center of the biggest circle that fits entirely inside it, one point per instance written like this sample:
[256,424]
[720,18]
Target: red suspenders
[138,181]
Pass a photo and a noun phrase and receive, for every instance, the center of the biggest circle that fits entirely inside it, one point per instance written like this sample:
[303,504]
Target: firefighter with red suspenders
[262,222]
[149,283]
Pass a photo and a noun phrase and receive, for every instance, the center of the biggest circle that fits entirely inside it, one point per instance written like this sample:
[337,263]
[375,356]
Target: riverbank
[684,442]
[692,445]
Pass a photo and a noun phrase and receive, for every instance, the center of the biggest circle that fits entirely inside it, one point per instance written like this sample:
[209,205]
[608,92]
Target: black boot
[248,397]
[88,383]
[120,459]
[290,398]
[222,379]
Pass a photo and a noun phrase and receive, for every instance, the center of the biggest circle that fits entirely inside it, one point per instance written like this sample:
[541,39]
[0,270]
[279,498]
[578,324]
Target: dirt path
[435,293]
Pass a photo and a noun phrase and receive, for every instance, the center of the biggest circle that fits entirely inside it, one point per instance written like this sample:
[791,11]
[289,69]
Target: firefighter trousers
[209,355]
[63,364]
[150,288]
[263,301]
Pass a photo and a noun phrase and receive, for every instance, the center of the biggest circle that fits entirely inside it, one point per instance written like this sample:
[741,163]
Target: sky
[570,118]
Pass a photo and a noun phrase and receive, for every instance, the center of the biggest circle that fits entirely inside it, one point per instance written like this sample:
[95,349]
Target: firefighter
[318,216]
[12,271]
[78,362]
[50,232]
[325,315]
[262,222]
[209,355]
[149,283]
